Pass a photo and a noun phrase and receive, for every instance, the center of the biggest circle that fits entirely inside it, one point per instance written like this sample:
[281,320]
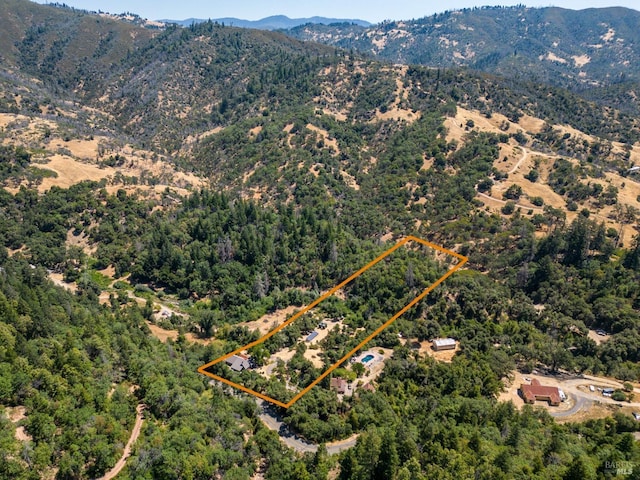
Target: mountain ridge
[273,22]
[573,49]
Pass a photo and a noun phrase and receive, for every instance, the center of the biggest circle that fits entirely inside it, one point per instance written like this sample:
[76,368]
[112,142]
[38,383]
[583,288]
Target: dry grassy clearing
[78,159]
[516,161]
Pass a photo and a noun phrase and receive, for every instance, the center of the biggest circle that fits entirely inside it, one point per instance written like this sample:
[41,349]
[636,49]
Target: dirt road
[273,422]
[525,153]
[135,433]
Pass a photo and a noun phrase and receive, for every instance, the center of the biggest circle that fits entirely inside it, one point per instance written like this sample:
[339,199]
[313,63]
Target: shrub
[508,208]
[619,396]
[513,192]
[533,175]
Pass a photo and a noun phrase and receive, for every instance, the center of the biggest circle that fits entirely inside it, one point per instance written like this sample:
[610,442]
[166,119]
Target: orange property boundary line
[462,260]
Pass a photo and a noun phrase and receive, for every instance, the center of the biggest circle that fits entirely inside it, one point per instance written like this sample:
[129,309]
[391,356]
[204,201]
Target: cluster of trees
[79,369]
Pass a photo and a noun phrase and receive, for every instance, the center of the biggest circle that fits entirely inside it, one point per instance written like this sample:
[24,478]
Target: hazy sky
[370,10]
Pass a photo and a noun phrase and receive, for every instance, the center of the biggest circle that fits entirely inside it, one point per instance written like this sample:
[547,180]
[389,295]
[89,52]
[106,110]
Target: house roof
[444,342]
[536,391]
[238,363]
[340,384]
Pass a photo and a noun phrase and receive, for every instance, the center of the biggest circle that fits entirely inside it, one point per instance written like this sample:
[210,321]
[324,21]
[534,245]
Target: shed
[444,344]
[311,336]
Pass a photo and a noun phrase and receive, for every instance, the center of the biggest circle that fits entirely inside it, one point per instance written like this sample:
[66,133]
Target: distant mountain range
[275,22]
[584,49]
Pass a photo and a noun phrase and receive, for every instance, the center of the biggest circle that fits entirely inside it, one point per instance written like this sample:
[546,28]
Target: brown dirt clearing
[425,348]
[271,320]
[598,338]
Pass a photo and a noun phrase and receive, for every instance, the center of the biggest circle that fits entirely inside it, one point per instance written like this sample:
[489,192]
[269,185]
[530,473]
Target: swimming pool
[367,359]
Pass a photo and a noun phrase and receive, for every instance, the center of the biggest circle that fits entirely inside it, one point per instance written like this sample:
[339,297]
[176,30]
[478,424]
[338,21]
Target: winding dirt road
[135,433]
[273,422]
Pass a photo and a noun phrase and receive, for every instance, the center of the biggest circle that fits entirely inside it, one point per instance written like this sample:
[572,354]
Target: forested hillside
[165,191]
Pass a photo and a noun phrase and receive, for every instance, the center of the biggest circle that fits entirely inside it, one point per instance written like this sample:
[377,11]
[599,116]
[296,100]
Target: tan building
[444,344]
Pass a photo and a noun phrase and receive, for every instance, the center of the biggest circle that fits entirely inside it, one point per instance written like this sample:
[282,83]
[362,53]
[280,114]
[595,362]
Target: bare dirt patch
[15,414]
[349,180]
[598,338]
[80,241]
[552,57]
[332,143]
[164,335]
[270,321]
[84,149]
[440,355]
[581,61]
[57,279]
[531,124]
[425,348]
[6,119]
[194,139]
[458,126]
[21,435]
[395,110]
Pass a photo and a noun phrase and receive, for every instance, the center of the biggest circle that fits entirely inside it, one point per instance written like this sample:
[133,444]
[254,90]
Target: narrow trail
[135,433]
[525,153]
[499,200]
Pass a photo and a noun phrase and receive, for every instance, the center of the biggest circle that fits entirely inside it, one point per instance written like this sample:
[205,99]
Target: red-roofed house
[535,391]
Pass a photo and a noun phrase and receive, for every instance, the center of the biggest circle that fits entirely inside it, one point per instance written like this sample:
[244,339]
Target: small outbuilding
[311,336]
[444,344]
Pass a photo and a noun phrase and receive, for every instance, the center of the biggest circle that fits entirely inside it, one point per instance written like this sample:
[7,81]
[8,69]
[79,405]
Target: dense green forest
[304,180]
[66,353]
